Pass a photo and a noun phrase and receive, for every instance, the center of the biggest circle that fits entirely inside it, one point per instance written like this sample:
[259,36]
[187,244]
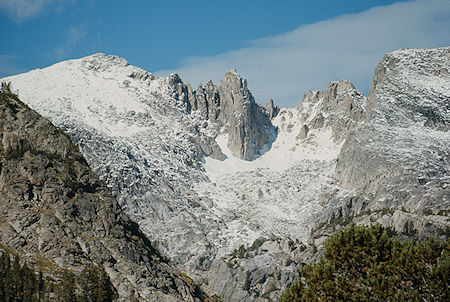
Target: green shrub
[367,264]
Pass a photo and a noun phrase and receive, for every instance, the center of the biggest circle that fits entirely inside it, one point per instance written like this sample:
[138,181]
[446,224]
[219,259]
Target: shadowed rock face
[53,207]
[231,105]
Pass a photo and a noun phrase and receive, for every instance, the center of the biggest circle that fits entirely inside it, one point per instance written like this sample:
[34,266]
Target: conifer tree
[366,264]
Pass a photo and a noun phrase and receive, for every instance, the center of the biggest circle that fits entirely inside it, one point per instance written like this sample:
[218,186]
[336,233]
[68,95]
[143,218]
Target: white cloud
[76,33]
[286,66]
[21,10]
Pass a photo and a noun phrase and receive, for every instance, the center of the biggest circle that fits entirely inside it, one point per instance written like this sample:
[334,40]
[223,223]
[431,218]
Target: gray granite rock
[232,107]
[271,110]
[396,162]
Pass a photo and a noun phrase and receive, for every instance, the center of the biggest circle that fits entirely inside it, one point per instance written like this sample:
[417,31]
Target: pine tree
[366,264]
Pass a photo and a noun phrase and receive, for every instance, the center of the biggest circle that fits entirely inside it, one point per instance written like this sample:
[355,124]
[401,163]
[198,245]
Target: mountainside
[135,133]
[239,195]
[58,215]
[396,164]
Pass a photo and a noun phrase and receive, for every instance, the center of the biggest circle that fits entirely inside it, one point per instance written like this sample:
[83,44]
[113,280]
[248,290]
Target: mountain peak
[104,58]
[234,72]
[233,81]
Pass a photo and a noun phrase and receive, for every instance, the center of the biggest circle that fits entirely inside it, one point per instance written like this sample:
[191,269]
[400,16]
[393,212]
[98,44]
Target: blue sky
[283,48]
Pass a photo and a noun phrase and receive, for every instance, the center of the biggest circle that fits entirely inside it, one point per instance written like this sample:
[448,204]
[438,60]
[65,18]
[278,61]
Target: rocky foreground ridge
[179,161]
[58,215]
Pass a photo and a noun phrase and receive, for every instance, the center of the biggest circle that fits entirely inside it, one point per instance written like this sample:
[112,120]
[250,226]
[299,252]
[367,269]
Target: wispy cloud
[74,36]
[286,66]
[8,66]
[21,10]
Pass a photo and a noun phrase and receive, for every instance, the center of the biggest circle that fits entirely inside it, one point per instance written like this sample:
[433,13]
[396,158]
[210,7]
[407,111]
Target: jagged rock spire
[232,106]
[271,110]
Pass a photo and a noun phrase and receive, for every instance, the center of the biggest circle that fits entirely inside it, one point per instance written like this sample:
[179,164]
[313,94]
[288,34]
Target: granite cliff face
[277,196]
[232,106]
[271,110]
[395,166]
[248,126]
[54,210]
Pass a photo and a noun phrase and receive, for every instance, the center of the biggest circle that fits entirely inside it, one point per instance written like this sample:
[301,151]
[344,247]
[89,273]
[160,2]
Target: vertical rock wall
[232,106]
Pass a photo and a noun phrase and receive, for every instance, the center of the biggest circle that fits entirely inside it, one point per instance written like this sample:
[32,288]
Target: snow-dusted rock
[399,158]
[145,136]
[135,132]
[340,107]
[58,215]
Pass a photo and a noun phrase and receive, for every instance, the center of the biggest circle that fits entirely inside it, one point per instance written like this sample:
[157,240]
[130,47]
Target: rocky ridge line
[252,201]
[335,137]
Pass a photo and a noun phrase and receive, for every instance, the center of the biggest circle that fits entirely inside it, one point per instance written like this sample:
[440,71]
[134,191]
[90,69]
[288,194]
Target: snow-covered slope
[277,194]
[135,132]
